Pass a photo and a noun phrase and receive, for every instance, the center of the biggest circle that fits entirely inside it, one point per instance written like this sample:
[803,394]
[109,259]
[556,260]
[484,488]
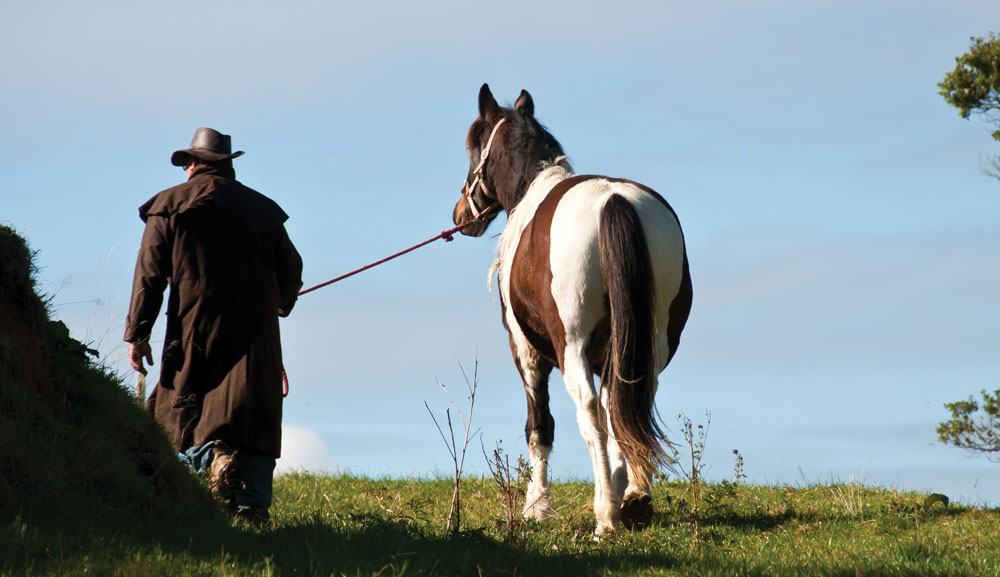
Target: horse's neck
[519,217]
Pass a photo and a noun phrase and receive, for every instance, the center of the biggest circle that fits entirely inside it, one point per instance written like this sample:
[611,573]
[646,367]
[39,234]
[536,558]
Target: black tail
[628,372]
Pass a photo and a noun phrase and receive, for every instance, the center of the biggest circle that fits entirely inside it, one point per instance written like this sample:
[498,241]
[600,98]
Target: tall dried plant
[454,521]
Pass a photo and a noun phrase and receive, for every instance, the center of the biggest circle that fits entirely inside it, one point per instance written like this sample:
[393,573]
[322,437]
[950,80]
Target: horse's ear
[488,107]
[525,104]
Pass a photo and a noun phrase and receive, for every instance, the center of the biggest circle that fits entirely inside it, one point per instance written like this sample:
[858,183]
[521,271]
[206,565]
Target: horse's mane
[532,148]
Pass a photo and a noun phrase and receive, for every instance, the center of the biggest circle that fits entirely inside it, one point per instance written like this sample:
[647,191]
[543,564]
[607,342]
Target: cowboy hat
[208,145]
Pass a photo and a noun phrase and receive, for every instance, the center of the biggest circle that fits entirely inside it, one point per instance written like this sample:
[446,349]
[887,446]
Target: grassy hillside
[89,486]
[822,530]
[342,525]
[80,462]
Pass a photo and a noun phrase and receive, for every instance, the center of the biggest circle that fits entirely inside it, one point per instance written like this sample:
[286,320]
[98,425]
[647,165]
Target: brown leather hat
[208,145]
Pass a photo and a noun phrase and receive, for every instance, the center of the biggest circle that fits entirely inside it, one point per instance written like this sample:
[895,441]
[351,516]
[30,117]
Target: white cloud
[302,450]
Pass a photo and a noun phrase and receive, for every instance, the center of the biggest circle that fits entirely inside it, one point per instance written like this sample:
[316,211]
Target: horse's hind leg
[539,431]
[631,485]
[637,504]
[579,382]
[619,473]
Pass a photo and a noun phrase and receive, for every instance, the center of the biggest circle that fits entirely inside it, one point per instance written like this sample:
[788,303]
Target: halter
[480,178]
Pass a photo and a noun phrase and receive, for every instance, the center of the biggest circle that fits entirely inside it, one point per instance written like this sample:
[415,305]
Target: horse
[593,278]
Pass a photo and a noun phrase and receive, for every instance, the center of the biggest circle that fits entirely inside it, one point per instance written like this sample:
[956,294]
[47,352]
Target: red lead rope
[447,235]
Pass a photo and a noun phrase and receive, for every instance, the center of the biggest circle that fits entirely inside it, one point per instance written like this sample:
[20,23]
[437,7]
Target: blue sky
[843,237]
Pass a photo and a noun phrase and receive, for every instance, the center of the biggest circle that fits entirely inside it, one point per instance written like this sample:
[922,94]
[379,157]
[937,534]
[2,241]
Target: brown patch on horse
[680,309]
[531,299]
[531,279]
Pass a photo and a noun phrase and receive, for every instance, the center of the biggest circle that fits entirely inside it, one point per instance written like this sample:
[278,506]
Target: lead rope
[447,235]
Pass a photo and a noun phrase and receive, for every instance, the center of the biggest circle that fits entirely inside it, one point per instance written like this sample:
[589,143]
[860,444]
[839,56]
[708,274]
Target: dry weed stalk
[850,496]
[454,521]
[696,446]
[512,486]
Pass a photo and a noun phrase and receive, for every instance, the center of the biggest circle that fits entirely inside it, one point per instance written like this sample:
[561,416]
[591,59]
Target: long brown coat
[223,250]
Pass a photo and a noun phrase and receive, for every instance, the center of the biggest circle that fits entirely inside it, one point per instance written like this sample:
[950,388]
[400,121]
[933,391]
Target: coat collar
[221,169]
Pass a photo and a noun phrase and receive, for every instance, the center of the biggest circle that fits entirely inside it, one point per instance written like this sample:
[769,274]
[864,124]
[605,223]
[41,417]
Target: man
[223,250]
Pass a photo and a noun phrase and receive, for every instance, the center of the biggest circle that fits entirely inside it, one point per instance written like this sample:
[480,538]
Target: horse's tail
[628,379]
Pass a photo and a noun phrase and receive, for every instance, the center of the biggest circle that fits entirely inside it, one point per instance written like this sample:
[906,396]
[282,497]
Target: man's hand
[137,352]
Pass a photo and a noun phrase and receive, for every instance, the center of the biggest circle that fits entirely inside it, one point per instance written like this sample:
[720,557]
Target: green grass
[343,525]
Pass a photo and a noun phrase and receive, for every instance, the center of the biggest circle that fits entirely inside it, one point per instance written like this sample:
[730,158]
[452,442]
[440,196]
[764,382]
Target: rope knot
[447,235]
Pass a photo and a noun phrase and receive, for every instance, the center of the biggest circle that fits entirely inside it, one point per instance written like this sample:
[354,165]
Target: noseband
[480,177]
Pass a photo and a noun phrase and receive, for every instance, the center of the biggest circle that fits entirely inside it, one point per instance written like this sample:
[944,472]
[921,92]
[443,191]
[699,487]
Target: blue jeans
[256,472]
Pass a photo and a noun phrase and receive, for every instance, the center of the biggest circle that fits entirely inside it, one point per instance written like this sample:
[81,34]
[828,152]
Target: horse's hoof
[602,532]
[539,511]
[637,512]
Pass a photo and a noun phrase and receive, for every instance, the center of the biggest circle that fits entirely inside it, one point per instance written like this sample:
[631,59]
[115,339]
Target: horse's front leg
[539,430]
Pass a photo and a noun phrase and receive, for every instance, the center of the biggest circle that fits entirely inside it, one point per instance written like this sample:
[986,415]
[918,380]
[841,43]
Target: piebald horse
[593,279]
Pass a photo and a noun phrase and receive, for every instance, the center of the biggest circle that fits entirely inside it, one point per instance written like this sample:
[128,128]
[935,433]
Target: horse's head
[507,147]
